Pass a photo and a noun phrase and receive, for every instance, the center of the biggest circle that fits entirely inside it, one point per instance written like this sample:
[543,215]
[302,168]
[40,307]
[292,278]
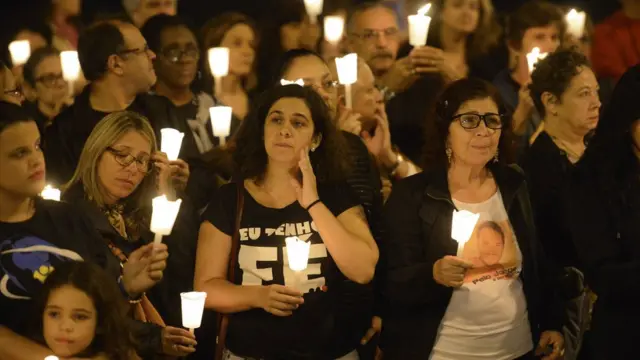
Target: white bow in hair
[284,82]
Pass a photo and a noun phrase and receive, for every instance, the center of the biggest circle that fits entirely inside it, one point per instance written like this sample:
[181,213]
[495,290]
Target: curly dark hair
[451,99]
[113,336]
[248,151]
[554,73]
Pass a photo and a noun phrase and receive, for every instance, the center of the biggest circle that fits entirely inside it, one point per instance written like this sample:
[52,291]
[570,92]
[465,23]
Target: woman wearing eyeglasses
[119,172]
[45,86]
[11,91]
[488,299]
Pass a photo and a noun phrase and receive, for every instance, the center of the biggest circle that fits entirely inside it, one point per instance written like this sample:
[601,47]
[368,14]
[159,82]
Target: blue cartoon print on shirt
[25,263]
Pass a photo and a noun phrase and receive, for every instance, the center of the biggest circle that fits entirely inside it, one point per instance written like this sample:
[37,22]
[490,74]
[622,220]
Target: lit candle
[221,122]
[347,74]
[70,68]
[419,27]
[462,226]
[171,143]
[192,309]
[299,82]
[163,216]
[533,57]
[297,257]
[50,193]
[333,29]
[575,23]
[314,9]
[219,65]
[20,51]
[51,357]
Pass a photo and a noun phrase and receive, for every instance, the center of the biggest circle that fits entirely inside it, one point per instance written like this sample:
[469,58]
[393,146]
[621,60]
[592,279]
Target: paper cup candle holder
[348,75]
[297,256]
[163,216]
[419,26]
[192,309]
[221,122]
[462,225]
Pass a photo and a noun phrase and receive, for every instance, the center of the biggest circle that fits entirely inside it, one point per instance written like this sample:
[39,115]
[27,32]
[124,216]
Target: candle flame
[462,225]
[297,253]
[424,10]
[50,193]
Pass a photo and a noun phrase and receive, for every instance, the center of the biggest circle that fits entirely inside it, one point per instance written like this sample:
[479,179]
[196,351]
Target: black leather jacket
[418,217]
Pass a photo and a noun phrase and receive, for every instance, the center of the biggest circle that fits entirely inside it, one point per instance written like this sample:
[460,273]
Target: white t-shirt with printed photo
[487,317]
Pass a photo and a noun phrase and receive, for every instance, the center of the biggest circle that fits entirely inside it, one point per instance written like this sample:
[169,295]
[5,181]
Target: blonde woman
[119,172]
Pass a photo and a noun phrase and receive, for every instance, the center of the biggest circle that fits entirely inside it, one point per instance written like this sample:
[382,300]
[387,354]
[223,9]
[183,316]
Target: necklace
[572,155]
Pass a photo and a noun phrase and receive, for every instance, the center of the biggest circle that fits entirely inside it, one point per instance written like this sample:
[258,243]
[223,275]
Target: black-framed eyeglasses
[143,163]
[370,34]
[51,80]
[176,54]
[471,121]
[136,51]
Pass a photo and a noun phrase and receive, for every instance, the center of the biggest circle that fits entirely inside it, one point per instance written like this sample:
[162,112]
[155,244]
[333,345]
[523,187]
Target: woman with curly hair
[290,174]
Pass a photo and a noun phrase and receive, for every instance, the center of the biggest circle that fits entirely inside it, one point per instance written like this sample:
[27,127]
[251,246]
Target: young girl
[81,314]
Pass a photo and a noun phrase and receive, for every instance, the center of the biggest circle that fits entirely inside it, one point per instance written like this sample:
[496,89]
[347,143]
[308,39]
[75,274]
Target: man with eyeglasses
[408,84]
[142,10]
[117,61]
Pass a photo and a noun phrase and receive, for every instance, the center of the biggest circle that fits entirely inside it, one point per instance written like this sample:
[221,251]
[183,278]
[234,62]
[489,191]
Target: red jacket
[616,45]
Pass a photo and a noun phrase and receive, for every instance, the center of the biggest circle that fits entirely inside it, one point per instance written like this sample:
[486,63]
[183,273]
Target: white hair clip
[299,82]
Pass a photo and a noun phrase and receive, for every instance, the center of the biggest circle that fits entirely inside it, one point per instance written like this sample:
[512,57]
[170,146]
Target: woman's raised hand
[307,192]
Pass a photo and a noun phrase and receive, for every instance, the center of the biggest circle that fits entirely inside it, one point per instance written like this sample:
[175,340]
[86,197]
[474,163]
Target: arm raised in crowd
[347,237]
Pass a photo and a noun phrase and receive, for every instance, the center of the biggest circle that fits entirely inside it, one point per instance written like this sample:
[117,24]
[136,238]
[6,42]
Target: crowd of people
[461,205]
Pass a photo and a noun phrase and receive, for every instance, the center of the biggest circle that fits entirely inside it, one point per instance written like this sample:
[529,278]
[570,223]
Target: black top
[31,249]
[418,216]
[547,168]
[606,235]
[314,328]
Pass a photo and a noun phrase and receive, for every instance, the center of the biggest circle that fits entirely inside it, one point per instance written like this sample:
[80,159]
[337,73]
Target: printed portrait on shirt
[492,251]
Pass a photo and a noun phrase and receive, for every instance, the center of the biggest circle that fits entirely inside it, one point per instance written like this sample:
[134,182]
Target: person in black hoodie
[38,235]
[489,297]
[603,213]
[116,59]
[119,171]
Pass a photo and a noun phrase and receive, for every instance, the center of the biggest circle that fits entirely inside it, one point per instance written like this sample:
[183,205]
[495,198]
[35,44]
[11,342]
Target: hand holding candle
[219,65]
[462,225]
[50,193]
[221,122]
[171,143]
[314,9]
[419,26]
[192,309]
[333,29]
[347,74]
[575,23]
[533,57]
[163,216]
[20,51]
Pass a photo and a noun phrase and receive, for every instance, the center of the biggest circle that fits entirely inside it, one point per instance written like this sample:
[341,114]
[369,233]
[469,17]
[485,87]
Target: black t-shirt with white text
[262,261]
[32,249]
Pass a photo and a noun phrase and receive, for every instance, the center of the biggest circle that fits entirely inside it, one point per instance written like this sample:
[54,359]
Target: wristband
[124,292]
[312,205]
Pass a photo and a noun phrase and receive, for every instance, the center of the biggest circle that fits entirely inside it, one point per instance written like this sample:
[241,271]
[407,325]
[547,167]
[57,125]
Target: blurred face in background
[11,91]
[68,7]
[50,87]
[138,59]
[461,16]
[22,169]
[177,62]
[366,98]
[241,41]
[547,38]
[150,8]
[290,34]
[375,37]
[315,73]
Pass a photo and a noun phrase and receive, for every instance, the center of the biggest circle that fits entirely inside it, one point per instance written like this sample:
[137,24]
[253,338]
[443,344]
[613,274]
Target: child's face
[69,321]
